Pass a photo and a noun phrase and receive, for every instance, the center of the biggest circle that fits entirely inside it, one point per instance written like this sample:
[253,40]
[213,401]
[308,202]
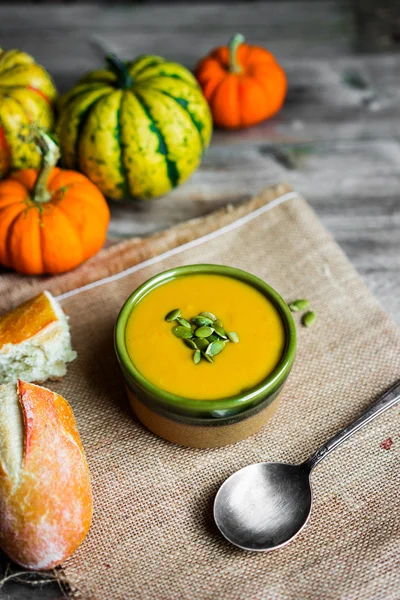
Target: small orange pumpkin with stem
[243,84]
[51,220]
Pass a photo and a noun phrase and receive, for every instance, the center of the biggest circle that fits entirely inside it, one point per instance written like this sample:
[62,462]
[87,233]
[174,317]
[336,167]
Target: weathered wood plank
[75,38]
[315,22]
[342,98]
[377,25]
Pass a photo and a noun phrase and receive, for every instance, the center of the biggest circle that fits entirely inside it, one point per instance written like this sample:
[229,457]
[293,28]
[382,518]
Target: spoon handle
[387,400]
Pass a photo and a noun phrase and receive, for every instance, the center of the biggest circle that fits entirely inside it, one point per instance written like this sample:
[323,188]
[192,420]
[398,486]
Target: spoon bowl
[264,506]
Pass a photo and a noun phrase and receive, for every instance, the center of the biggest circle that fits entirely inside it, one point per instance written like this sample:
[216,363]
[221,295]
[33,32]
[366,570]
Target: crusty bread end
[45,492]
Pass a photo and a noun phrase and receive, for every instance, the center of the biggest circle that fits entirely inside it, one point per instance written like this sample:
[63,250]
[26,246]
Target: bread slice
[45,492]
[35,343]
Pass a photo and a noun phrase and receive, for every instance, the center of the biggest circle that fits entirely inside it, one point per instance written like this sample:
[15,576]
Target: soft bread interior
[11,431]
[42,356]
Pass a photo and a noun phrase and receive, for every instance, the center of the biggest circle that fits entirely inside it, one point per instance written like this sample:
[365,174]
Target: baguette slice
[35,342]
[45,491]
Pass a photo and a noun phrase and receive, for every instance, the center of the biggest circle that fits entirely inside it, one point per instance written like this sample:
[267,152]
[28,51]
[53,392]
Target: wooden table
[336,139]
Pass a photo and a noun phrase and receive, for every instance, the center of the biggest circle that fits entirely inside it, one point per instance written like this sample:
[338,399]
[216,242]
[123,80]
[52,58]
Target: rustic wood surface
[336,139]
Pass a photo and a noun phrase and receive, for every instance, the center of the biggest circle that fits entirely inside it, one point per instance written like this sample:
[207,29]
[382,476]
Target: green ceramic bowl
[165,402]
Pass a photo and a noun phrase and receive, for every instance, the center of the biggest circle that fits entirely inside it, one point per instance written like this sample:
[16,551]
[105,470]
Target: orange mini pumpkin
[51,220]
[243,84]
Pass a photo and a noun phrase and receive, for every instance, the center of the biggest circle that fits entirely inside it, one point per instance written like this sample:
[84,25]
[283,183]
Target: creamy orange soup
[166,361]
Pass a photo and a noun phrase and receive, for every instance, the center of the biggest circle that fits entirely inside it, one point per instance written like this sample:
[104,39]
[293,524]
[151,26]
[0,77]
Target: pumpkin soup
[165,361]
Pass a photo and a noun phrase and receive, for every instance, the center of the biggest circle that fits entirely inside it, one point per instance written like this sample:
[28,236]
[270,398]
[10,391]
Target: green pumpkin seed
[215,348]
[209,315]
[233,336]
[182,332]
[207,357]
[309,318]
[199,321]
[173,314]
[196,357]
[220,331]
[299,304]
[184,323]
[203,332]
[190,343]
[201,343]
[212,338]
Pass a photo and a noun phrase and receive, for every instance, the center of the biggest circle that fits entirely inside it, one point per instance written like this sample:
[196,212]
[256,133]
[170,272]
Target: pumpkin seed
[182,332]
[207,357]
[233,336]
[309,318]
[220,331]
[190,343]
[184,323]
[196,357]
[299,304]
[203,332]
[199,321]
[173,314]
[209,315]
[201,343]
[212,338]
[215,348]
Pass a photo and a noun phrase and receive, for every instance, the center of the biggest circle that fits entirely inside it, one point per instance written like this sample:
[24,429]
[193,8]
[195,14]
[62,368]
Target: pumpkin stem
[233,45]
[50,154]
[118,66]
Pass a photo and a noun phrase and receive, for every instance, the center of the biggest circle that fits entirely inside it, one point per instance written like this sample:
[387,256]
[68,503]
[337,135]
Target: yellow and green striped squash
[27,94]
[136,129]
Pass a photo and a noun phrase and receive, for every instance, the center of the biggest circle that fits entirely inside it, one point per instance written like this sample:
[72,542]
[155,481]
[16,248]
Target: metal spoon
[265,505]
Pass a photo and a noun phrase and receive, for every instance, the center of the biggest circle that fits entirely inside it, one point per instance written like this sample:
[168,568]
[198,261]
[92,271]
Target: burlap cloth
[153,536]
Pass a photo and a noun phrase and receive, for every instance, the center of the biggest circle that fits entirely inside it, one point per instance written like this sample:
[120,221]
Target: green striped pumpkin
[136,129]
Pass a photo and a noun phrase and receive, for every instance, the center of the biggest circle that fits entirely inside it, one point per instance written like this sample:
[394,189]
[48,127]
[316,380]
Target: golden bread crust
[27,320]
